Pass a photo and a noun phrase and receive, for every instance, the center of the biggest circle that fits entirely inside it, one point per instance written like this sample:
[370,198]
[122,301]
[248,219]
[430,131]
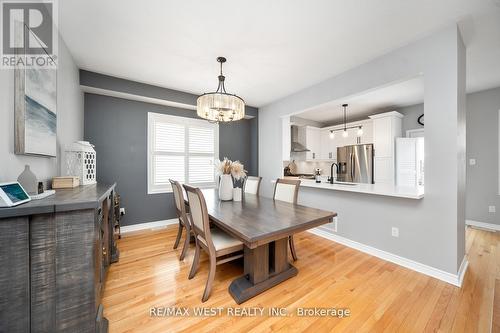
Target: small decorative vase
[237,194]
[226,187]
[28,180]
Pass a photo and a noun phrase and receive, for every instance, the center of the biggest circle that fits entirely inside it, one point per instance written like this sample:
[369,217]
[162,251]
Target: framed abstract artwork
[35,104]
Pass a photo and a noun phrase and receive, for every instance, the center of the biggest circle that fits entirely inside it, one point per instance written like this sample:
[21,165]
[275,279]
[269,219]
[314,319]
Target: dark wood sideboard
[54,256]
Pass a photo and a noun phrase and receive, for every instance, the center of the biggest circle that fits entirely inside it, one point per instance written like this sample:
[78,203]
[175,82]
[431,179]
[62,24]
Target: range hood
[297,146]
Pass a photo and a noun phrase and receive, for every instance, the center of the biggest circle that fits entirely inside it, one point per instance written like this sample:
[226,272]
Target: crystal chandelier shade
[219,106]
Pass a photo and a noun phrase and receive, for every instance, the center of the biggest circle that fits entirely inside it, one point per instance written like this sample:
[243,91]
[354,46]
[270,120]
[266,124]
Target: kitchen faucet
[331,171]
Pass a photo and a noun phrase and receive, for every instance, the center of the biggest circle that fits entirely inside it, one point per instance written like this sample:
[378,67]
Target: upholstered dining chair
[219,246]
[287,190]
[183,216]
[252,185]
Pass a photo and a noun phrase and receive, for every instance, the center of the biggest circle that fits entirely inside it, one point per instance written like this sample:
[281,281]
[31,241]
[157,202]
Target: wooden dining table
[263,225]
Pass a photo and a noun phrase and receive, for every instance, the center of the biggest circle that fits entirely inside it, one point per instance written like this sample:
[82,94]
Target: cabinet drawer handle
[104,251]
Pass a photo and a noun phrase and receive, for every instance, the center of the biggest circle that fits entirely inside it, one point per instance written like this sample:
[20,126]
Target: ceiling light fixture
[219,106]
[345,133]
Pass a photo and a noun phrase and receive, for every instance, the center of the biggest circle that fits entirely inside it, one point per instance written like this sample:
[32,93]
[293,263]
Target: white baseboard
[483,225]
[148,225]
[454,279]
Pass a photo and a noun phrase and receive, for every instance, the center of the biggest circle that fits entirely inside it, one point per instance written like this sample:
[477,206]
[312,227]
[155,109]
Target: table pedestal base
[265,267]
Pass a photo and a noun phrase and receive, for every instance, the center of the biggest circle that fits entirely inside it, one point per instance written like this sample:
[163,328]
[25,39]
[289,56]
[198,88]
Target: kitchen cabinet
[328,149]
[386,128]
[286,138]
[367,136]
[313,143]
[57,252]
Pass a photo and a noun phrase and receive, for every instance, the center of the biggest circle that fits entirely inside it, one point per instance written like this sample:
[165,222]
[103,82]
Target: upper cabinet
[313,143]
[286,138]
[386,128]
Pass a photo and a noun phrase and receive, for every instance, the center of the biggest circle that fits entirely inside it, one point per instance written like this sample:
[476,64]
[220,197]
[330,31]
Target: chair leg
[179,234]
[196,261]
[210,279]
[186,244]
[292,248]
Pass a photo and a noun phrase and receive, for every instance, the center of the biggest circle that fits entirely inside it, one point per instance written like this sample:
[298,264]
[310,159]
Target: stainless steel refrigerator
[355,164]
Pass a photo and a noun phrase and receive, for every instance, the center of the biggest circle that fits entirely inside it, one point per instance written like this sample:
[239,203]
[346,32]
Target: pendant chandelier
[345,134]
[219,106]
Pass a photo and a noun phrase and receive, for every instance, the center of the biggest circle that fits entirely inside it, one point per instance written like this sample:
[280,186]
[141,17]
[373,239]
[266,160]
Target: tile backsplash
[309,166]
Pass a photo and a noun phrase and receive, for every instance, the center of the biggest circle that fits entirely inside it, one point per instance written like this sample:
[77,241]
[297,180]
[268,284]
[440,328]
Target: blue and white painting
[40,127]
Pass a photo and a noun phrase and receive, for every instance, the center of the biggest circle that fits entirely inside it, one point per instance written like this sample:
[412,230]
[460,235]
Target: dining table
[263,225]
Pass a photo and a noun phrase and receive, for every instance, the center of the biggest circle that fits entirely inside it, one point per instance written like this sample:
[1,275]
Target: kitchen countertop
[375,189]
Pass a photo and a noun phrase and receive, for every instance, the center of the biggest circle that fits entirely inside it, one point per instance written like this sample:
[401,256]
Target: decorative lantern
[81,162]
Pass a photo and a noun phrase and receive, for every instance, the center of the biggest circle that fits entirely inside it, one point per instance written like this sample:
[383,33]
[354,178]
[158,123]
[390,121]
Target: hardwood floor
[381,296]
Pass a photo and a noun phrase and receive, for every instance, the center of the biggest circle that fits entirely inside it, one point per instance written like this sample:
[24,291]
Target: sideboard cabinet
[54,256]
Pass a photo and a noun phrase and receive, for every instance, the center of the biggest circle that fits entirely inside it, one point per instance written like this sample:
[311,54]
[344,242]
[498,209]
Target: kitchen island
[375,189]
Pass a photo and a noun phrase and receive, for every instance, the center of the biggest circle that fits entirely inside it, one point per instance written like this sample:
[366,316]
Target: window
[183,149]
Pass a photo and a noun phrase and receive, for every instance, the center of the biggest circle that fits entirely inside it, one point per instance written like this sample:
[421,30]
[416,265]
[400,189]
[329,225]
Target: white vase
[226,187]
[237,194]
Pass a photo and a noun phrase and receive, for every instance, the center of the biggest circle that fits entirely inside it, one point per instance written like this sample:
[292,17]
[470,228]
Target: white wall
[431,230]
[69,120]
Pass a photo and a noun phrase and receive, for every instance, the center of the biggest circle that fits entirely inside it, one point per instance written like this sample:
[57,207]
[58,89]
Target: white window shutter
[201,140]
[169,137]
[168,167]
[180,148]
[201,169]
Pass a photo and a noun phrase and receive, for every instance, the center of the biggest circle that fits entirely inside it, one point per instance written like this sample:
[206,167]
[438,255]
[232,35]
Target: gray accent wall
[482,145]
[432,230]
[118,129]
[411,114]
[69,121]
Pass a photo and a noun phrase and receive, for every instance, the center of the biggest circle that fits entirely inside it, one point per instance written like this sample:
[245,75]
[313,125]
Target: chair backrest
[180,206]
[286,190]
[199,214]
[252,185]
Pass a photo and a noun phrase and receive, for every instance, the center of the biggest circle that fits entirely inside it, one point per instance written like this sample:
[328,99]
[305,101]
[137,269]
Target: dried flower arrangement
[228,167]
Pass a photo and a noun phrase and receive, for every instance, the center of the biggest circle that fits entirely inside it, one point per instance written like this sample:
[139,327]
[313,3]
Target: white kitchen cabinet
[286,138]
[386,128]
[367,136]
[313,143]
[328,149]
[383,170]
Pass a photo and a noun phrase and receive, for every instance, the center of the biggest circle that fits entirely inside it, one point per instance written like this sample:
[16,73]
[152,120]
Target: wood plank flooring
[381,296]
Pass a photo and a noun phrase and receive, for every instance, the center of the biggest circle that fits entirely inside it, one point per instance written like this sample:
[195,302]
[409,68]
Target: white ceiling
[274,48]
[388,98]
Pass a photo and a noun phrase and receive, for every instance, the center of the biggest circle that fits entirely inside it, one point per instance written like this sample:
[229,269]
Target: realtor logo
[29,37]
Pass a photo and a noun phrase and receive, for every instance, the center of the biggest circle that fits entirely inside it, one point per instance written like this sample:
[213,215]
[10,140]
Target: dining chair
[252,185]
[183,216]
[287,190]
[219,246]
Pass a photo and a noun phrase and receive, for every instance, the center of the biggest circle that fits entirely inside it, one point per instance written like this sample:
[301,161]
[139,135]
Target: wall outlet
[122,211]
[492,209]
[472,161]
[395,232]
